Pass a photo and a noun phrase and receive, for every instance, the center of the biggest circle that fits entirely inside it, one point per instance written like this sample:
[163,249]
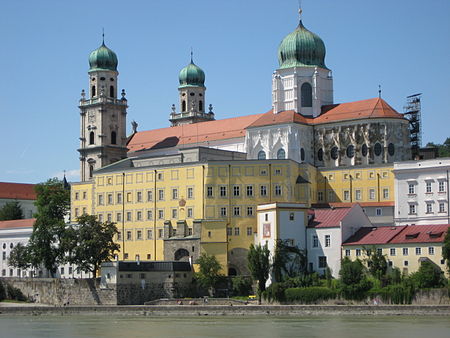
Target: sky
[402,45]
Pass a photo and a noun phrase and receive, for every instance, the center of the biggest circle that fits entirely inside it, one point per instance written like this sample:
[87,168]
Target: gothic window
[364,150]
[281,154]
[377,149]
[320,154]
[91,170]
[334,153]
[180,253]
[183,106]
[91,137]
[92,91]
[113,137]
[391,149]
[350,151]
[306,95]
[261,155]
[111,91]
[302,154]
[200,105]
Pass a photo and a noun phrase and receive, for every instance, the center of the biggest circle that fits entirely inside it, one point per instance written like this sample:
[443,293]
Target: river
[133,326]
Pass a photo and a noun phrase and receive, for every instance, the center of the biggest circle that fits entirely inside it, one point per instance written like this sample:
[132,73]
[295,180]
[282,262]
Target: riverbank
[221,310]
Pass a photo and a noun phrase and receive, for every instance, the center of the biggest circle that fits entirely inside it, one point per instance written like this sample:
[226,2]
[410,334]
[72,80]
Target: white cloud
[73,174]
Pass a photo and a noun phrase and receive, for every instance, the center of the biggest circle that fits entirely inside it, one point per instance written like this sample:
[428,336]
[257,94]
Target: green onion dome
[103,58]
[191,76]
[301,48]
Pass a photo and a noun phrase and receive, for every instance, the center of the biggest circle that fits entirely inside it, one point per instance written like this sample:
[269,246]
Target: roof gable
[328,218]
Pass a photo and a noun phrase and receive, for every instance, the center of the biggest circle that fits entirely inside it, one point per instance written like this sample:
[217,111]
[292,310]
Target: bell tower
[103,115]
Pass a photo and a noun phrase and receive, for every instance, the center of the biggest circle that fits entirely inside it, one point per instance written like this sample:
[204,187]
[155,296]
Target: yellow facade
[223,195]
[355,184]
[406,256]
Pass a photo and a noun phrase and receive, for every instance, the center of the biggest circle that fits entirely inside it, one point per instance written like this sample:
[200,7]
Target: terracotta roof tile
[191,133]
[372,236]
[348,205]
[20,191]
[434,233]
[328,218]
[17,223]
[288,116]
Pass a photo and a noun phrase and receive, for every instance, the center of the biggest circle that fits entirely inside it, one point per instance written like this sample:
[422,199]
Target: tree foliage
[446,249]
[90,243]
[209,271]
[259,265]
[11,210]
[377,264]
[443,149]
[19,257]
[429,275]
[354,283]
[288,261]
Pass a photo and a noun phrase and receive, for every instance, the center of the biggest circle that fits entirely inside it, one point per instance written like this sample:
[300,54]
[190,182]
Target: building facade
[20,192]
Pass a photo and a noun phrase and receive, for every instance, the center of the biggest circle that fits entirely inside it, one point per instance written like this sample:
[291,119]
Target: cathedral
[304,124]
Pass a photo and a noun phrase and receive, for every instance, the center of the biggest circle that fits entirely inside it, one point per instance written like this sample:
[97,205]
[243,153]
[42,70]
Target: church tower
[302,82]
[103,115]
[192,97]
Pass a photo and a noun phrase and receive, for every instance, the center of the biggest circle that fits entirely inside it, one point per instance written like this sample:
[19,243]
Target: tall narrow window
[91,137]
[92,91]
[113,137]
[200,105]
[281,154]
[183,106]
[91,171]
[306,95]
[111,91]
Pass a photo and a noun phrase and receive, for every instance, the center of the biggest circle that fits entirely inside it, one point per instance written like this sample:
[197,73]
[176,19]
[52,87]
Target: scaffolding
[412,112]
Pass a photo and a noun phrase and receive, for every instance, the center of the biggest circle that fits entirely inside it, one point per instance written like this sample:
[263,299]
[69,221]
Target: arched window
[261,155]
[200,105]
[91,137]
[364,150]
[91,170]
[281,154]
[113,137]
[306,95]
[111,91]
[334,153]
[377,149]
[302,154]
[181,253]
[350,151]
[391,149]
[92,91]
[320,154]
[183,106]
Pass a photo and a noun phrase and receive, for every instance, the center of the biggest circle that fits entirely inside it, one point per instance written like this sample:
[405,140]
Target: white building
[327,230]
[421,192]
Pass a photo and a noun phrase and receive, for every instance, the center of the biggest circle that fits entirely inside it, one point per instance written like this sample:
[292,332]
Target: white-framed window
[174,213]
[358,252]
[379,251]
[322,262]
[190,212]
[110,199]
[223,191]
[223,211]
[249,211]
[441,186]
[347,252]
[392,251]
[418,251]
[161,194]
[386,193]
[139,216]
[236,231]
[100,199]
[278,190]
[412,209]
[372,194]
[174,194]
[429,208]
[139,196]
[346,195]
[149,195]
[379,212]
[149,234]
[249,231]
[441,207]
[190,192]
[320,196]
[236,211]
[263,190]
[431,250]
[358,194]
[315,241]
[249,190]
[149,215]
[128,216]
[428,187]
[236,191]
[411,188]
[209,192]
[160,214]
[405,251]
[327,240]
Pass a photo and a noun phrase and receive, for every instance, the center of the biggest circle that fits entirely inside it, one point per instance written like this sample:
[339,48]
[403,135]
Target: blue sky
[404,45]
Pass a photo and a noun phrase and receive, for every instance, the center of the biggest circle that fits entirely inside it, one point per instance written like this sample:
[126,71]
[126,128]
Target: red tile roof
[20,191]
[191,133]
[328,218]
[17,223]
[372,236]
[422,234]
[288,116]
[348,205]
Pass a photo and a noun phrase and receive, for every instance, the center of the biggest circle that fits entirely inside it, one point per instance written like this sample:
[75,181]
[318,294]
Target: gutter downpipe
[154,215]
[123,216]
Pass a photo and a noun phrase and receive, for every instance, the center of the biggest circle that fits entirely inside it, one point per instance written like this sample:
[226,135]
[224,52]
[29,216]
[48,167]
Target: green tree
[259,266]
[11,210]
[288,261]
[429,275]
[209,271]
[354,283]
[19,257]
[90,243]
[377,264]
[52,204]
[446,249]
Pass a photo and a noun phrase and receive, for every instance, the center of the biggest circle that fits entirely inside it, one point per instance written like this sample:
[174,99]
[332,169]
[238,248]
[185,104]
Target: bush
[242,286]
[429,275]
[309,295]
[395,294]
[2,291]
[14,293]
[275,292]
[357,291]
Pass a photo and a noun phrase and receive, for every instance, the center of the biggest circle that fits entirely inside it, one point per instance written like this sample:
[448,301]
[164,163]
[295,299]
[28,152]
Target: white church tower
[302,83]
[103,115]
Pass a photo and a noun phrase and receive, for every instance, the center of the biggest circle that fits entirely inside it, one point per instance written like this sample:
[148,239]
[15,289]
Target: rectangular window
[128,216]
[372,194]
[190,212]
[174,194]
[411,189]
[129,236]
[320,196]
[412,209]
[322,262]
[76,212]
[263,191]
[429,208]
[62,271]
[392,251]
[190,192]
[223,211]
[428,187]
[139,216]
[358,252]
[237,211]
[190,234]
[327,240]
[209,192]
[149,234]
[160,233]
[149,215]
[405,251]
[139,234]
[129,197]
[119,236]
[149,195]
[346,195]
[441,207]
[76,196]
[100,199]
[236,191]
[250,190]
[385,193]
[84,195]
[236,231]
[174,213]
[119,217]
[315,241]
[109,217]
[139,196]
[379,251]
[161,195]
[277,172]
[330,196]
[160,214]
[229,231]
[431,250]
[405,263]
[100,218]
[249,211]
[378,212]
[441,186]
[291,216]
[358,195]
[347,252]
[249,231]
[110,199]
[418,251]
[223,191]
[119,198]
[278,190]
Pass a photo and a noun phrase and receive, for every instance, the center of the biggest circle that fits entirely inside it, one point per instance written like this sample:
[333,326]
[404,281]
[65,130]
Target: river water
[133,326]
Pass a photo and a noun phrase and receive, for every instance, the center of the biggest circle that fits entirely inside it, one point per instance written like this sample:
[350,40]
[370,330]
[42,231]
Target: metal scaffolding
[412,112]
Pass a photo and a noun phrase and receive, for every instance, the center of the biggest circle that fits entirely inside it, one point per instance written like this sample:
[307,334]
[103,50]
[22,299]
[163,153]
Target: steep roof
[17,223]
[20,191]
[372,236]
[348,204]
[287,116]
[191,133]
[422,234]
[328,217]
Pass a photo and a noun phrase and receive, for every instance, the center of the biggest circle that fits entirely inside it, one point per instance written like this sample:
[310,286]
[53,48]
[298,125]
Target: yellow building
[174,207]
[404,247]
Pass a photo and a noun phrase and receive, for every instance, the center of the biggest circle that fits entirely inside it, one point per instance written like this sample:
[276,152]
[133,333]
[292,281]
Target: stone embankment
[235,310]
